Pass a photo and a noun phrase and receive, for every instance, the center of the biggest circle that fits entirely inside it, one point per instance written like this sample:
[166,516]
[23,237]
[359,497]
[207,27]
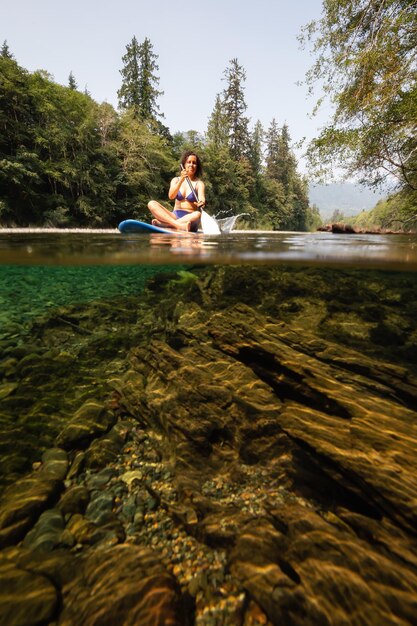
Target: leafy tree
[54,166]
[20,167]
[301,212]
[234,107]
[275,213]
[68,144]
[147,164]
[366,61]
[15,106]
[313,218]
[276,172]
[395,212]
[107,123]
[229,177]
[226,182]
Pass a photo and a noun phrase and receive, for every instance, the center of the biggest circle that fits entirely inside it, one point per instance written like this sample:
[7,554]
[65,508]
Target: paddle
[208,223]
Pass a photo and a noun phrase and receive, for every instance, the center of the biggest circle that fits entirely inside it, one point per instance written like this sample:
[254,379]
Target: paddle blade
[209,224]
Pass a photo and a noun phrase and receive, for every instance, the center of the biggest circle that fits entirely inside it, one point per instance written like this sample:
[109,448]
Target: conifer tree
[280,161]
[148,82]
[273,141]
[72,83]
[256,148]
[218,127]
[255,168]
[234,107]
[5,51]
[128,93]
[281,169]
[139,85]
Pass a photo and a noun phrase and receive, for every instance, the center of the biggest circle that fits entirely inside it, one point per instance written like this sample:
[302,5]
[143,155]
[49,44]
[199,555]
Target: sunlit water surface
[79,247]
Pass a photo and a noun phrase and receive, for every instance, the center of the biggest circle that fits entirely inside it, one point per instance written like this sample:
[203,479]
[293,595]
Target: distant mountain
[347,197]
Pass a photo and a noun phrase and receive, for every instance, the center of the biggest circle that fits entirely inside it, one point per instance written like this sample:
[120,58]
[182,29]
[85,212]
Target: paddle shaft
[190,184]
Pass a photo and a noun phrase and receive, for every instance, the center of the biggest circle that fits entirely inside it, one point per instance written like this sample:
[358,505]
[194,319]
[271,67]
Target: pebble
[129,477]
[99,509]
[132,488]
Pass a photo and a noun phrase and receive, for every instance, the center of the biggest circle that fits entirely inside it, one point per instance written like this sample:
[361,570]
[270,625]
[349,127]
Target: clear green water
[27,291]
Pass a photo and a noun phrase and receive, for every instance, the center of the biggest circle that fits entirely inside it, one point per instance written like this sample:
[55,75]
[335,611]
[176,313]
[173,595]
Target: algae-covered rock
[48,532]
[26,598]
[55,464]
[104,450]
[74,500]
[6,389]
[91,420]
[122,585]
[22,503]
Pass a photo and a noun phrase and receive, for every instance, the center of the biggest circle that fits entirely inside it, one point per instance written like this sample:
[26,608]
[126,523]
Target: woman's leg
[191,219]
[166,218]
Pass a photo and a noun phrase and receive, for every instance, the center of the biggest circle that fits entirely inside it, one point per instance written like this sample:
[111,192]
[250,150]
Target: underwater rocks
[90,421]
[245,456]
[122,585]
[26,598]
[22,503]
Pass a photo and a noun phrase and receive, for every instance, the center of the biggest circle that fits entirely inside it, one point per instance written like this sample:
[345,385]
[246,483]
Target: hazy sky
[194,43]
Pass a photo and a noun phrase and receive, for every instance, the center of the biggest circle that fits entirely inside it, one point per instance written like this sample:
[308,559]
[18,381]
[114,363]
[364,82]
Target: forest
[366,67]
[67,160]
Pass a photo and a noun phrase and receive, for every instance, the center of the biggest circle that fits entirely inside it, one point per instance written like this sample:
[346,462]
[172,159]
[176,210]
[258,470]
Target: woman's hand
[183,175]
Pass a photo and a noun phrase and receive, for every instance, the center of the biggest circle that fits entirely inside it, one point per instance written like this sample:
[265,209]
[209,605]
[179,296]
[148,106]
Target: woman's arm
[175,185]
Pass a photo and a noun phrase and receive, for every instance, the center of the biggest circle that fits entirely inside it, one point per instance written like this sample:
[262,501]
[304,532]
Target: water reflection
[110,247]
[188,245]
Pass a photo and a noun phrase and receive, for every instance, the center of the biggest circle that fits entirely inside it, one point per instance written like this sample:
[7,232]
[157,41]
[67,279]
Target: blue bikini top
[192,196]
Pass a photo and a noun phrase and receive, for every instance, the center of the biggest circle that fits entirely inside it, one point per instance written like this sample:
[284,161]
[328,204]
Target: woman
[188,204]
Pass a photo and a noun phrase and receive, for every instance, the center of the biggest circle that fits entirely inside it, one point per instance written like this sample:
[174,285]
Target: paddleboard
[134,226]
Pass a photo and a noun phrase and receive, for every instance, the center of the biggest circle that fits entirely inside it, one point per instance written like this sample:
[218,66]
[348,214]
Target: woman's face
[191,164]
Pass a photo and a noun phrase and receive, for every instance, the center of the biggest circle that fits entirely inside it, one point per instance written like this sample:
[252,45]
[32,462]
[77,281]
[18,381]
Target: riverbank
[340,228]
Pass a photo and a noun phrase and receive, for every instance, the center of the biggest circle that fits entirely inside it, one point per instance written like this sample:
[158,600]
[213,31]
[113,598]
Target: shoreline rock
[342,228]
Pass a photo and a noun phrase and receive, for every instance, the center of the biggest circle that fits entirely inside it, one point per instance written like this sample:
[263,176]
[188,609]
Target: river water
[42,272]
[309,325]
[77,247]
